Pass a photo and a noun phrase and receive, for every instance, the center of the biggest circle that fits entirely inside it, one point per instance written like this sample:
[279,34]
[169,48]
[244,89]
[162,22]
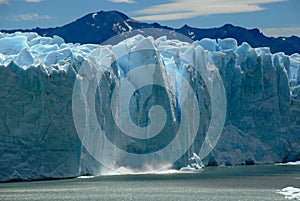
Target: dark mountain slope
[98,27]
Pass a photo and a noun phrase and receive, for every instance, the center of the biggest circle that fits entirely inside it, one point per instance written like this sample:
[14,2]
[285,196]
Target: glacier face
[38,135]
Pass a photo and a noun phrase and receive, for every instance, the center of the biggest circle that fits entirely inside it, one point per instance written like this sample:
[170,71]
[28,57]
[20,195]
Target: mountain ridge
[98,27]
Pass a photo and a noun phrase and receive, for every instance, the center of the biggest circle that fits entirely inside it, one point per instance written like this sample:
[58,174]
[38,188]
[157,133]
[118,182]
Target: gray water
[214,183]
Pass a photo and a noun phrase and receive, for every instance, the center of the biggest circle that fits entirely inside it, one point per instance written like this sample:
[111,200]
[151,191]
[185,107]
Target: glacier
[40,136]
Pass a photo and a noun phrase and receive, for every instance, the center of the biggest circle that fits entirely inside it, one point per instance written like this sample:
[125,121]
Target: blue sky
[273,17]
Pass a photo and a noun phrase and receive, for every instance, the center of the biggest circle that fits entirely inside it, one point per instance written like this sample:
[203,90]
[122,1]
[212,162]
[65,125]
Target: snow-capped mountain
[100,26]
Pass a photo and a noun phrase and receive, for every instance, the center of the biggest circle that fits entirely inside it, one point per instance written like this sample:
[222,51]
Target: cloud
[29,1]
[31,16]
[281,31]
[122,1]
[33,1]
[4,2]
[183,9]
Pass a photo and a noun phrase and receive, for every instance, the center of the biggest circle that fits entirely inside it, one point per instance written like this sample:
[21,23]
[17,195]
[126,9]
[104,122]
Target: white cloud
[29,1]
[122,1]
[4,2]
[32,16]
[183,9]
[282,31]
[33,1]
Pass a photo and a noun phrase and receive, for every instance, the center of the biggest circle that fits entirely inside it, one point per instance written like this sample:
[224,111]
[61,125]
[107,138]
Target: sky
[272,17]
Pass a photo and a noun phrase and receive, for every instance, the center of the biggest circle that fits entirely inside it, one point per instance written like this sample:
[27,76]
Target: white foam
[129,171]
[85,177]
[289,163]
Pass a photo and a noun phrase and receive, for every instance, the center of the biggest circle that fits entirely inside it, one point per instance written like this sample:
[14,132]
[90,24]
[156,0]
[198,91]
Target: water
[214,183]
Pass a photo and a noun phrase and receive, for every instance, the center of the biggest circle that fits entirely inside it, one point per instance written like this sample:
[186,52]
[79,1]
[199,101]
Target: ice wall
[262,124]
[37,132]
[38,138]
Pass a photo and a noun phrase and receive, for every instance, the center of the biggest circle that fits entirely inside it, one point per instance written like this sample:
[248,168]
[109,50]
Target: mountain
[98,27]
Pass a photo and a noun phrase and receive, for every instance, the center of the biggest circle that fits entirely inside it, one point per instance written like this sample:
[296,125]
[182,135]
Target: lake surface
[214,183]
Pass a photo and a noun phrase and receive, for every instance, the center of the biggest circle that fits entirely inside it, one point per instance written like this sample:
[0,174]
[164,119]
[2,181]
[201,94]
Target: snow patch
[129,27]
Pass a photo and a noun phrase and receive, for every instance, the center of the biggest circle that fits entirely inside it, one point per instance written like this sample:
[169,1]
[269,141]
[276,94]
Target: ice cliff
[38,136]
